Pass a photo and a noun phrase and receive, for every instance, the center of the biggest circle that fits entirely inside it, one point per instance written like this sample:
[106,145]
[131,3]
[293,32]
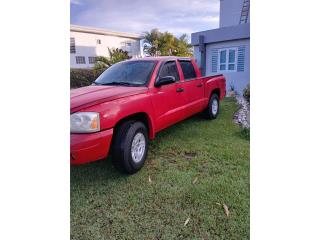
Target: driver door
[168,100]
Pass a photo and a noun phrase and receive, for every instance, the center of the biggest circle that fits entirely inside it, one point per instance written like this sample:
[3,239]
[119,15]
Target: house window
[92,60]
[126,46]
[80,60]
[227,60]
[98,41]
[72,45]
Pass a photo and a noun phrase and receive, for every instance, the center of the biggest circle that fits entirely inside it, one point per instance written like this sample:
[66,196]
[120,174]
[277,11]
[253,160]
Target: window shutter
[240,63]
[214,60]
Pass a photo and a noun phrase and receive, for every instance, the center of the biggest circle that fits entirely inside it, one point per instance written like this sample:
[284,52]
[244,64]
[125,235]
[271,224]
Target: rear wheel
[212,111]
[130,146]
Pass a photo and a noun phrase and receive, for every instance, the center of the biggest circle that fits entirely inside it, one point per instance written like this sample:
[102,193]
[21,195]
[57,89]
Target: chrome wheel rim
[138,147]
[214,107]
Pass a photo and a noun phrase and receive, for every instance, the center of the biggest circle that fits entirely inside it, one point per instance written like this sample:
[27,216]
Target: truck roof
[161,58]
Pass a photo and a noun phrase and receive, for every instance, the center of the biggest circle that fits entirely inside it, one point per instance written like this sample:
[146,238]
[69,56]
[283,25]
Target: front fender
[112,112]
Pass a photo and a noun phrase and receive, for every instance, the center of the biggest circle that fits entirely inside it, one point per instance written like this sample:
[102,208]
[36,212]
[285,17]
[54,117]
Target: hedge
[83,77]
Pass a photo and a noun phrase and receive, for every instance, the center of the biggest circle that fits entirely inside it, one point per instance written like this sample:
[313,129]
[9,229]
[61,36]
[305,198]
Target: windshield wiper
[118,83]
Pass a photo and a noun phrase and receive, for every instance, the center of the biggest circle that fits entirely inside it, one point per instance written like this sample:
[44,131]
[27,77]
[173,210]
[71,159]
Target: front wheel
[212,111]
[130,146]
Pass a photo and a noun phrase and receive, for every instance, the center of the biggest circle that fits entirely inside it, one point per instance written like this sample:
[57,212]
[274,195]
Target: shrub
[232,88]
[115,55]
[83,77]
[245,133]
[246,93]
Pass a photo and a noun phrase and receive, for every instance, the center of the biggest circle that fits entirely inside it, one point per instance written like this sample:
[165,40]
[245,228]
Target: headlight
[84,122]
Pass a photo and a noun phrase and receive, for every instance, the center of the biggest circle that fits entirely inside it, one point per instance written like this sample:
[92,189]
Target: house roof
[241,31]
[77,28]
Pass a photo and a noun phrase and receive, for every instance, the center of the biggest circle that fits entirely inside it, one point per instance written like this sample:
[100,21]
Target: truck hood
[88,96]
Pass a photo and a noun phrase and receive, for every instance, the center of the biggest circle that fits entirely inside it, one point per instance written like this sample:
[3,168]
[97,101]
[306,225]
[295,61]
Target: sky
[138,16]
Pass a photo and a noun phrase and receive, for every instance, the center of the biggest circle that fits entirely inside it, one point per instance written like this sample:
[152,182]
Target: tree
[184,49]
[166,44]
[151,40]
[115,55]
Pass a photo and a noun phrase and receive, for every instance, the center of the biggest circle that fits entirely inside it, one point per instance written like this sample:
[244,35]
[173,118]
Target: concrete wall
[87,46]
[230,11]
[238,79]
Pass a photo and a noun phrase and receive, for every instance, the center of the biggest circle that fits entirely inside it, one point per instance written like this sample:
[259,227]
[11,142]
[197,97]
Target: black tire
[121,149]
[209,113]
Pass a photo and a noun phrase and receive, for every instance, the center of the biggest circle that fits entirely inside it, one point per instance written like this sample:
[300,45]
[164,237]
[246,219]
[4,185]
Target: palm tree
[151,42]
[157,43]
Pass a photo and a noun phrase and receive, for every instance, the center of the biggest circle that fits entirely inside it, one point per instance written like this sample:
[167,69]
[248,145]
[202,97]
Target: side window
[169,69]
[188,70]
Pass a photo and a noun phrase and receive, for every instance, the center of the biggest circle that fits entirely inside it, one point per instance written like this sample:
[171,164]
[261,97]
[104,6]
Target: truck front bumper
[89,147]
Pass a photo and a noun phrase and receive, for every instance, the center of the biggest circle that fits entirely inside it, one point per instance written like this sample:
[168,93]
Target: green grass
[108,205]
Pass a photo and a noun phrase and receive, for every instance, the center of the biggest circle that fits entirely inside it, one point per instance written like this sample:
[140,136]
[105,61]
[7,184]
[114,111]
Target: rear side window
[188,70]
[169,69]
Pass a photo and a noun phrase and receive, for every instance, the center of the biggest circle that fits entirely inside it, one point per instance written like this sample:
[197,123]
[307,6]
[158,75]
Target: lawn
[195,167]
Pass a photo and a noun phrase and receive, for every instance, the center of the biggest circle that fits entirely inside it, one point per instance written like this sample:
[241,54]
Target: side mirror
[164,81]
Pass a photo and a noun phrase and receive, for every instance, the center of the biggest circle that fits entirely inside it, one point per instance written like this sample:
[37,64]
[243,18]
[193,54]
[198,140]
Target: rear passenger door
[193,86]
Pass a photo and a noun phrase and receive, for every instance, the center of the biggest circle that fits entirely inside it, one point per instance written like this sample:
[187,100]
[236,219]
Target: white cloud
[180,16]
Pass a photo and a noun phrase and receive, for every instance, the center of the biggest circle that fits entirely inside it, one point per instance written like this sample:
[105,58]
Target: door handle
[200,85]
[180,90]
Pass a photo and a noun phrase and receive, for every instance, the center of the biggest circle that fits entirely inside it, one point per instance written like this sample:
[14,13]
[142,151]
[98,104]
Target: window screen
[72,45]
[232,59]
[188,70]
[223,59]
[169,69]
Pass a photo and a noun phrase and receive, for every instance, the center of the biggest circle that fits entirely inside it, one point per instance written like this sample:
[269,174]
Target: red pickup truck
[133,100]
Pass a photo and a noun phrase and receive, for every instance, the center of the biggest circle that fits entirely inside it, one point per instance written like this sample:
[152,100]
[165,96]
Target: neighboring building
[87,43]
[226,50]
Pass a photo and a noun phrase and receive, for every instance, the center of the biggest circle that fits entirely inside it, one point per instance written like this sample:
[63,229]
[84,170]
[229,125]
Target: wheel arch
[139,116]
[216,91]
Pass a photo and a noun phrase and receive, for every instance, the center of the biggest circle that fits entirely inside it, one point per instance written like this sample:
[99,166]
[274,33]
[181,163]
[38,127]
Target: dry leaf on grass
[186,222]
[150,179]
[226,210]
[195,180]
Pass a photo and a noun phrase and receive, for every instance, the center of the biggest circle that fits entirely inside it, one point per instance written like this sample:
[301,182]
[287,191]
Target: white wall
[86,45]
[238,79]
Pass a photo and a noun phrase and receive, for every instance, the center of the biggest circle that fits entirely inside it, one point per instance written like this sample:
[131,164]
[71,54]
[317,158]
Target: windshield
[129,73]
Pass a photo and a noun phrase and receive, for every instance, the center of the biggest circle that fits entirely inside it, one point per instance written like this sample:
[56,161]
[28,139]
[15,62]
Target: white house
[86,43]
[226,50]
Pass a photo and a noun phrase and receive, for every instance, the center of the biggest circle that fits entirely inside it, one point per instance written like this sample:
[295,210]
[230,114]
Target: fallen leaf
[195,180]
[226,210]
[150,181]
[186,222]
